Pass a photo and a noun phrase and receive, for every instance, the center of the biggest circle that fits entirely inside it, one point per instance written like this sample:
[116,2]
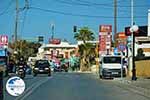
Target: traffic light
[74,28]
[40,39]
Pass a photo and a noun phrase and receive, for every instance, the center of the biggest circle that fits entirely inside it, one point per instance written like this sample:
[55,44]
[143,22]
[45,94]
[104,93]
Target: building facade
[62,50]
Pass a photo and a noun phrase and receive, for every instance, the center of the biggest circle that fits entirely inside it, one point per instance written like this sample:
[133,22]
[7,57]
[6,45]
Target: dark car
[42,67]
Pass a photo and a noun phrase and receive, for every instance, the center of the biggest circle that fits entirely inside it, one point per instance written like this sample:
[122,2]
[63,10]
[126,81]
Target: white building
[144,44]
[62,50]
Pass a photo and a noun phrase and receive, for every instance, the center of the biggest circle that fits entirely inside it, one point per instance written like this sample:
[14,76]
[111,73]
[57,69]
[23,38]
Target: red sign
[102,40]
[55,41]
[3,40]
[122,35]
[128,33]
[105,28]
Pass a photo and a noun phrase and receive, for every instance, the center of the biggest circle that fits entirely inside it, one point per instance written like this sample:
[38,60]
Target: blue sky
[64,14]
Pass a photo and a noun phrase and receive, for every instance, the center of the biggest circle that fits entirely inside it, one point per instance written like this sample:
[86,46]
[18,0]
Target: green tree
[86,50]
[25,48]
[84,34]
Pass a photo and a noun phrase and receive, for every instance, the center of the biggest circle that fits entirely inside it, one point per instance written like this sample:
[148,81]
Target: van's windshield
[112,60]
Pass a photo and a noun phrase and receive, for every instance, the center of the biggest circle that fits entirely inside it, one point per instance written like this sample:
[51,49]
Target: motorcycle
[21,71]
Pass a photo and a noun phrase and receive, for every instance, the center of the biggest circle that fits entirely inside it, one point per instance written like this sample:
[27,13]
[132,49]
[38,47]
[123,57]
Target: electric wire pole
[16,20]
[52,27]
[115,16]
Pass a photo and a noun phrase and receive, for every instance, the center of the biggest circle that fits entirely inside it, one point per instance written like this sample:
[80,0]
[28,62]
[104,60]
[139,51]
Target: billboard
[122,35]
[141,32]
[3,40]
[105,38]
[54,41]
[102,45]
[105,28]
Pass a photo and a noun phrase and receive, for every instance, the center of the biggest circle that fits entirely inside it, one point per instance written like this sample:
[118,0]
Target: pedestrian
[11,66]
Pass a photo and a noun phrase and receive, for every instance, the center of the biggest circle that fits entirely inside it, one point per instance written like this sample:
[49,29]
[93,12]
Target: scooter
[21,71]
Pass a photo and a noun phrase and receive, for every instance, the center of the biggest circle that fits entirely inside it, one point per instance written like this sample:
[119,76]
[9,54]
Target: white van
[111,65]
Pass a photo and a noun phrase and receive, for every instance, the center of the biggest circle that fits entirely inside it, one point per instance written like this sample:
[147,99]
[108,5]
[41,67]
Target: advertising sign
[141,32]
[105,37]
[102,39]
[105,28]
[2,52]
[3,40]
[121,47]
[122,35]
[115,51]
[54,41]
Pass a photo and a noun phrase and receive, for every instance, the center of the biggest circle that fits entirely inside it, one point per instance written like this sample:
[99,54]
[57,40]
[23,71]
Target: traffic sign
[3,40]
[121,47]
[115,51]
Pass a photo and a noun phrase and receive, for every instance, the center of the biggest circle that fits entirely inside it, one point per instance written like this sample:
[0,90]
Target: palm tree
[85,49]
[85,34]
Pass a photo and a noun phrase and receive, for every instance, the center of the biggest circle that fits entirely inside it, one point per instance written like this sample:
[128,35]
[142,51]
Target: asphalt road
[73,86]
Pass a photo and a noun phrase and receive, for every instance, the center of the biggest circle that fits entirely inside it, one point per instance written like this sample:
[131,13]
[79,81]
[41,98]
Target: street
[73,86]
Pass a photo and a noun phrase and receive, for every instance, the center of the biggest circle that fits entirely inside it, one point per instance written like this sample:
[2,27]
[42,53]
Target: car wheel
[102,77]
[34,74]
[49,74]
[66,70]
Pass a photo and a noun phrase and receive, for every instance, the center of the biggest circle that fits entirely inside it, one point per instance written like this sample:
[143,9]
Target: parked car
[64,65]
[57,67]
[42,67]
[112,66]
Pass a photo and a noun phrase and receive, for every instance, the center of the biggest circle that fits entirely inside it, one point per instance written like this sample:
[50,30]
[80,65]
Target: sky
[64,14]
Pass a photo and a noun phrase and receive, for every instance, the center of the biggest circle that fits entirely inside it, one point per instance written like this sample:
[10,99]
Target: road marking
[32,88]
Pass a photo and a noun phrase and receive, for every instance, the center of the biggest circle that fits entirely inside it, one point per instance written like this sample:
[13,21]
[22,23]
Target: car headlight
[36,68]
[20,66]
[46,68]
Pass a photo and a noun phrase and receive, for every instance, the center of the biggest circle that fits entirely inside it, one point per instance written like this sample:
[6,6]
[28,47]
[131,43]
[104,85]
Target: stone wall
[143,68]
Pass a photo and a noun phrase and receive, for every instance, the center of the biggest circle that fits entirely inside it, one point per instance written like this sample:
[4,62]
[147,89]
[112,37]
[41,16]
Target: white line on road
[32,88]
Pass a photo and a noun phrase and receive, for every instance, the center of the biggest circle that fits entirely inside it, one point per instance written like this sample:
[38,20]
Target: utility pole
[52,27]
[115,16]
[16,21]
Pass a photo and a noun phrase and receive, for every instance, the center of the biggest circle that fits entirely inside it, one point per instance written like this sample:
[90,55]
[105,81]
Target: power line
[26,8]
[80,15]
[24,19]
[93,4]
[106,5]
[7,8]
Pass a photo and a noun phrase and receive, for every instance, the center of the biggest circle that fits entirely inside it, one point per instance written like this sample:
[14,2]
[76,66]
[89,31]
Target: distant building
[144,44]
[61,50]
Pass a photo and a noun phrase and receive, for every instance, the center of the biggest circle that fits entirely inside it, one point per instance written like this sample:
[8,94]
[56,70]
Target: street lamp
[133,29]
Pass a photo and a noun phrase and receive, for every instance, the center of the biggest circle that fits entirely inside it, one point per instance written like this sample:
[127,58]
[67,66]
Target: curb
[136,89]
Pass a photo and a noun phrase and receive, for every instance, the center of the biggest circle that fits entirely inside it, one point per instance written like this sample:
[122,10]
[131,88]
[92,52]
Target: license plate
[114,72]
[41,70]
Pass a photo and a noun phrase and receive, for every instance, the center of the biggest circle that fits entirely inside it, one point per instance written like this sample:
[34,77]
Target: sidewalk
[140,86]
